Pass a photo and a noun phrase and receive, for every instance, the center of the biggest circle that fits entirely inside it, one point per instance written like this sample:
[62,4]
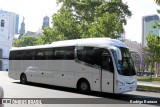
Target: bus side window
[107,63]
[40,54]
[49,53]
[91,55]
[28,55]
[12,55]
[19,55]
[64,53]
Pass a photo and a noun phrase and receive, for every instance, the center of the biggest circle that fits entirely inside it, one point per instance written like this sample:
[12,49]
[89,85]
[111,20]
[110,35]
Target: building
[30,33]
[147,27]
[22,29]
[45,22]
[39,32]
[17,24]
[7,31]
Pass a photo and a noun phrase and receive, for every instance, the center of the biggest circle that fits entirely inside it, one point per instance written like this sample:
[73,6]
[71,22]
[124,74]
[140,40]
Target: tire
[23,79]
[84,86]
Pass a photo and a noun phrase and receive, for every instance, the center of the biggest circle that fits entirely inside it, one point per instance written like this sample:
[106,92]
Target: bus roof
[96,42]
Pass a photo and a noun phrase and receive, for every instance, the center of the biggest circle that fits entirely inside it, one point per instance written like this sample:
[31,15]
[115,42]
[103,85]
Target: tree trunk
[156,69]
[152,66]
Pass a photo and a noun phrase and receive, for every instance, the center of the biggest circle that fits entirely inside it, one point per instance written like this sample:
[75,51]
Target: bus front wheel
[23,79]
[84,86]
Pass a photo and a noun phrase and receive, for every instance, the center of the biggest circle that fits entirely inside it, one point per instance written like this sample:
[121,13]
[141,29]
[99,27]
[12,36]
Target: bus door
[107,73]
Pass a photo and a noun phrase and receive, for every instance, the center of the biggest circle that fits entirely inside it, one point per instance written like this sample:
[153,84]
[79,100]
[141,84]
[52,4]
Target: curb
[149,89]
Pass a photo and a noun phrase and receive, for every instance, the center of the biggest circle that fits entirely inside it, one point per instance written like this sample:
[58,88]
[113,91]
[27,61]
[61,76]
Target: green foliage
[156,23]
[153,43]
[106,26]
[47,36]
[147,79]
[65,25]
[153,51]
[157,1]
[83,9]
[87,18]
[24,41]
[148,88]
[150,68]
[83,19]
[40,40]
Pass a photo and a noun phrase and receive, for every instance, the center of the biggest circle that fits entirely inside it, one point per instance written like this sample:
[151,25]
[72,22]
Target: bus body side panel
[68,72]
[107,81]
[15,69]
[92,75]
[62,72]
[96,81]
[53,72]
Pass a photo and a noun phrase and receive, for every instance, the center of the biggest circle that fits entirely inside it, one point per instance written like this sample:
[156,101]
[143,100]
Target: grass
[147,79]
[148,88]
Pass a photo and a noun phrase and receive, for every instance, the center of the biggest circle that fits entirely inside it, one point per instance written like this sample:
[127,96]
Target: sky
[34,11]
[139,8]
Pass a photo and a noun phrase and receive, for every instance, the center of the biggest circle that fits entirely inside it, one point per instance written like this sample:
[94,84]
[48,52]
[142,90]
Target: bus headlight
[119,83]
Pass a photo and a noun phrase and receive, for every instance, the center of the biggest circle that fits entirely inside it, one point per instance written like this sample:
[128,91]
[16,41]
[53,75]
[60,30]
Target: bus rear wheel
[84,86]
[23,79]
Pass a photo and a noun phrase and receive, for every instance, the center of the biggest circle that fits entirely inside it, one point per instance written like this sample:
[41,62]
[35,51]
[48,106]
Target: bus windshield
[125,66]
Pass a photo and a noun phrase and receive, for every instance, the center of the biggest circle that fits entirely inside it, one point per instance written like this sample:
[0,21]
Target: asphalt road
[60,96]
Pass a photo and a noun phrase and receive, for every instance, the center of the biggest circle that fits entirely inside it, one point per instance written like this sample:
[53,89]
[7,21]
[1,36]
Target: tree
[47,36]
[106,26]
[157,1]
[24,41]
[65,26]
[153,51]
[157,25]
[88,18]
[40,40]
[83,9]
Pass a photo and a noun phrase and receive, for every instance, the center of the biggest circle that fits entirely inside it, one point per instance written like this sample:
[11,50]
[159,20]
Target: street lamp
[116,34]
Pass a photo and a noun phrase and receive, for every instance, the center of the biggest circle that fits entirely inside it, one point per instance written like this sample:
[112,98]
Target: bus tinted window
[28,55]
[107,63]
[40,54]
[58,53]
[91,55]
[49,53]
[12,55]
[18,55]
[64,53]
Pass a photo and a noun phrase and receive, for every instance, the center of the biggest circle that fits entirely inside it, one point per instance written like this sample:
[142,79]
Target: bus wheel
[84,86]
[23,79]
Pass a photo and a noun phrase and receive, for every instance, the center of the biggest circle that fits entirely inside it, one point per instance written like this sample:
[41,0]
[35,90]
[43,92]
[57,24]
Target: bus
[91,64]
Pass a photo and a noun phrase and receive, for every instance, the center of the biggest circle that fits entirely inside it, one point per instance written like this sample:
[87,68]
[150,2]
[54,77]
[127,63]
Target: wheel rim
[23,79]
[84,86]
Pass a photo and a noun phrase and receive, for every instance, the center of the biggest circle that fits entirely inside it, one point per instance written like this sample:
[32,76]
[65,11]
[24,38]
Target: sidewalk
[152,84]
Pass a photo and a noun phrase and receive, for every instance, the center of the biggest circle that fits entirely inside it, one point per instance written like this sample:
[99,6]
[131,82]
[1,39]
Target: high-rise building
[7,31]
[45,22]
[147,27]
[17,24]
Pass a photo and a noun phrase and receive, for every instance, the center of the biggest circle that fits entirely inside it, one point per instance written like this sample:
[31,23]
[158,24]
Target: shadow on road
[105,98]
